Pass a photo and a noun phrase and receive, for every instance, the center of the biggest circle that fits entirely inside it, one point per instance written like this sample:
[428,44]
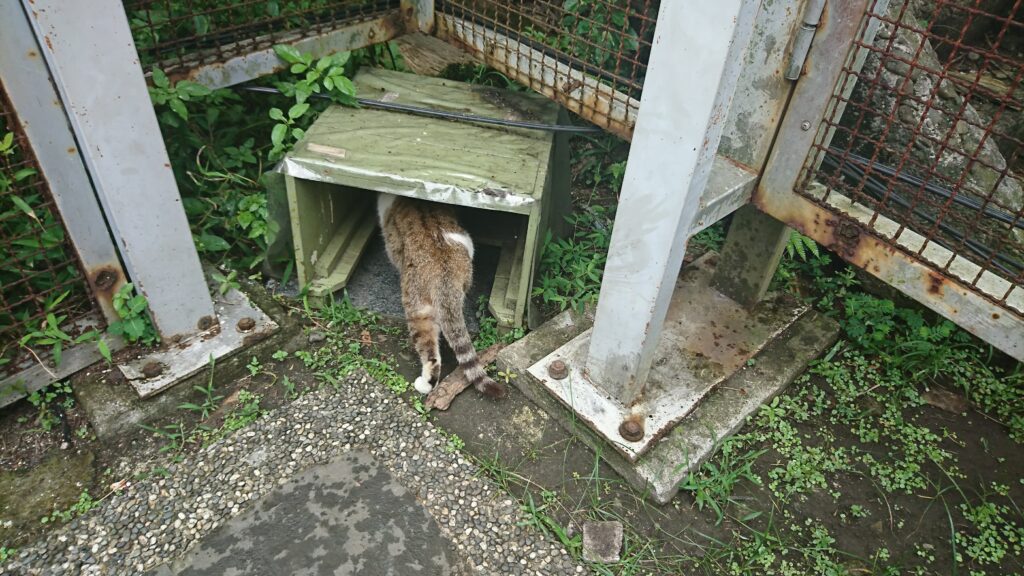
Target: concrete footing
[720,411]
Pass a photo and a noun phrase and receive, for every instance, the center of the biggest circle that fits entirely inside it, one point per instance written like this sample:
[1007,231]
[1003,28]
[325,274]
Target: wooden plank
[431,56]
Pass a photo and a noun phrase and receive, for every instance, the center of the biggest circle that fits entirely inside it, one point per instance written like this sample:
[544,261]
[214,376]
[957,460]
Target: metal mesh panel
[922,141]
[179,35]
[39,267]
[590,55]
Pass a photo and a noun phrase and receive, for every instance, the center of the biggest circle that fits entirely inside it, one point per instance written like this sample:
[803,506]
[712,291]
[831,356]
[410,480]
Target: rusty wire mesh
[590,55]
[924,136]
[180,35]
[40,273]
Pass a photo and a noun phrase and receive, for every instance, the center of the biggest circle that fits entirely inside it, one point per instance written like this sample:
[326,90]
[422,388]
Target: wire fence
[180,35]
[40,275]
[925,140]
[590,55]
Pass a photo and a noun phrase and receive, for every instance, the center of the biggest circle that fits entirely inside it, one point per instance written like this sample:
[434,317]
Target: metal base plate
[183,359]
[705,340]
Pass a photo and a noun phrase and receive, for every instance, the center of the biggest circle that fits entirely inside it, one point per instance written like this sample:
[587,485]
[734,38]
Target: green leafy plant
[571,268]
[50,402]
[134,324]
[246,411]
[175,96]
[210,400]
[50,332]
[84,504]
[325,76]
[799,246]
[597,31]
[226,282]
[489,333]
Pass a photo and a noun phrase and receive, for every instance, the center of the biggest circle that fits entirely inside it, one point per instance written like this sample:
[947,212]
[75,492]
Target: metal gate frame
[846,229]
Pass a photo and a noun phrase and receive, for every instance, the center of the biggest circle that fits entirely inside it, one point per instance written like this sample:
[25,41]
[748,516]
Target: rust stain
[996,316]
[72,150]
[106,280]
[935,284]
[49,44]
[33,54]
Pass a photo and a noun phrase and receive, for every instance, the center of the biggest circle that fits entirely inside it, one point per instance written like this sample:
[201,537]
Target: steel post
[692,75]
[91,55]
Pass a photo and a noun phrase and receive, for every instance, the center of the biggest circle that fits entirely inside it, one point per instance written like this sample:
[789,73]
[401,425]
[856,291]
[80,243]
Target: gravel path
[158,519]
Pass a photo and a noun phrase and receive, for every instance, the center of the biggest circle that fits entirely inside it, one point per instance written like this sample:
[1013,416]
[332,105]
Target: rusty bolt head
[558,370]
[246,324]
[206,322]
[106,279]
[805,125]
[152,369]
[632,430]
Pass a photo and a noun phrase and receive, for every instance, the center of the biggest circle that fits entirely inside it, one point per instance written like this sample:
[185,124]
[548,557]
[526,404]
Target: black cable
[878,189]
[458,116]
[917,182]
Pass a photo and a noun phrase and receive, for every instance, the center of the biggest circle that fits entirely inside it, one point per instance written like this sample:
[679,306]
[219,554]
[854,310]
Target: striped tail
[453,325]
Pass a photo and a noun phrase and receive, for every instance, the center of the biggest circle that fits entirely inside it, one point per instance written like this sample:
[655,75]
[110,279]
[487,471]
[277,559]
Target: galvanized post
[27,82]
[92,57]
[692,75]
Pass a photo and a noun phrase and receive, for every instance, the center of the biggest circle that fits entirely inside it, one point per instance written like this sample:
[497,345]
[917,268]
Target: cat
[434,258]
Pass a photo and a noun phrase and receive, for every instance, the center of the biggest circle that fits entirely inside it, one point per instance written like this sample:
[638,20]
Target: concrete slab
[114,407]
[720,413]
[348,516]
[238,324]
[706,339]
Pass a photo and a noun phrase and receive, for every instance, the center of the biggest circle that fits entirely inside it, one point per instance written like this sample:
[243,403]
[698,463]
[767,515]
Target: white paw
[422,385]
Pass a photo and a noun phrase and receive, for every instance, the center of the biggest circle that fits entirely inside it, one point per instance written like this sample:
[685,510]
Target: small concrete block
[602,541]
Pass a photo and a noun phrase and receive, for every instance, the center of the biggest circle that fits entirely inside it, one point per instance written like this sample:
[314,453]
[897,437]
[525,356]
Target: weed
[134,324]
[537,517]
[289,388]
[279,355]
[85,503]
[173,435]
[507,377]
[799,246]
[50,402]
[254,367]
[7,553]
[210,400]
[324,76]
[571,268]
[713,484]
[710,238]
[454,444]
[246,411]
[226,282]
[489,334]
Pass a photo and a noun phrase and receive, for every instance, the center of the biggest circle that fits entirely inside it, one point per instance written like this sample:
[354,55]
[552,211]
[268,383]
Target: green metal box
[516,178]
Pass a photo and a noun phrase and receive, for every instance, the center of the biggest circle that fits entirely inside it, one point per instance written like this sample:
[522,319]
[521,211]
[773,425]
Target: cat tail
[453,325]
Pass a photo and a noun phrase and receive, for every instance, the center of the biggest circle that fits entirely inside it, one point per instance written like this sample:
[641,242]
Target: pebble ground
[154,520]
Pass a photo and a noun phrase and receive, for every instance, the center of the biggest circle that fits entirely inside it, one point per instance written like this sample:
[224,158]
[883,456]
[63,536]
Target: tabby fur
[434,257]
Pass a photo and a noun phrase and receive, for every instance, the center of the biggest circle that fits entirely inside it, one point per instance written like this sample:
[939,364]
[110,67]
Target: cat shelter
[811,115]
[514,179]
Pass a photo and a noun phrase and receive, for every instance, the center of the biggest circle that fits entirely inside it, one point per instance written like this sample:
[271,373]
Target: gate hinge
[804,36]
